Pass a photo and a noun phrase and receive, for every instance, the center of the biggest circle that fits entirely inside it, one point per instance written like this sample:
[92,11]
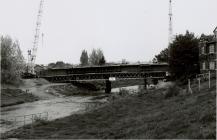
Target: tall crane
[170,36]
[32,52]
[170,22]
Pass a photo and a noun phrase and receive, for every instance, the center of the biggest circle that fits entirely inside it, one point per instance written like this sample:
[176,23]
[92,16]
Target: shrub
[40,121]
[123,92]
[172,91]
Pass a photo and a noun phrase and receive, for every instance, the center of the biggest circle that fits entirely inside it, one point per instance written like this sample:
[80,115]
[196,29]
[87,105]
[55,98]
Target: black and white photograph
[108,69]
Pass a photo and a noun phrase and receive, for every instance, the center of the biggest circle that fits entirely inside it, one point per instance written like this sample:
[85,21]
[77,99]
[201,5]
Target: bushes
[172,91]
[124,92]
[40,121]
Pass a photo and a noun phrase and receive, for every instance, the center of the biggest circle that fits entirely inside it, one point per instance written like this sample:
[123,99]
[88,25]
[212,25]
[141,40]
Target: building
[207,54]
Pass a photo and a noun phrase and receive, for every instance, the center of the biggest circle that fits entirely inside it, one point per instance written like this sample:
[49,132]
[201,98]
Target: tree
[124,61]
[51,65]
[161,57]
[93,58]
[60,64]
[84,58]
[12,61]
[184,56]
[102,60]
[97,57]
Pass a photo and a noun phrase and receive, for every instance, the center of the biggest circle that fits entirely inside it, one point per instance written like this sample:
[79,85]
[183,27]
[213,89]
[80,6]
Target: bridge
[107,73]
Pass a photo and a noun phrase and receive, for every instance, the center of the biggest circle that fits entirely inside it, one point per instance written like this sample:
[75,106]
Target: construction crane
[170,22]
[32,52]
[170,36]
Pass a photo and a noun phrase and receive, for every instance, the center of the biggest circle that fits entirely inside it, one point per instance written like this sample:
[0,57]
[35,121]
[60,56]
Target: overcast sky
[134,30]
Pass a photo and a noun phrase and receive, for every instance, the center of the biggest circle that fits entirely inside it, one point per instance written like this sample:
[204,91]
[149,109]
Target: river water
[13,116]
[56,108]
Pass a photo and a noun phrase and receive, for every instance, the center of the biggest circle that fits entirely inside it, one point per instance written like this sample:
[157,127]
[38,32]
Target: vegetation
[124,61]
[184,60]
[84,58]
[15,96]
[97,57]
[184,56]
[151,116]
[102,60]
[172,91]
[59,64]
[12,61]
[162,56]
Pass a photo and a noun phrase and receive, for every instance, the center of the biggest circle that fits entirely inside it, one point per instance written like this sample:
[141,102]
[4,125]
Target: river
[55,108]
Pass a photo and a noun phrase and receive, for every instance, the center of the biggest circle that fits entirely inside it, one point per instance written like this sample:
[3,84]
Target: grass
[172,91]
[15,96]
[185,116]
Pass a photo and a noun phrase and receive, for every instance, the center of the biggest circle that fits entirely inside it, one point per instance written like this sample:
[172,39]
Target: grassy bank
[15,96]
[146,116]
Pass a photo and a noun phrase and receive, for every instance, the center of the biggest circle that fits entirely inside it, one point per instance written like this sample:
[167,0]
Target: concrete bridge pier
[107,86]
[145,83]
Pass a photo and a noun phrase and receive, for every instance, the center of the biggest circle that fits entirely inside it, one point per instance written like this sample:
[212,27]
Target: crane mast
[170,22]
[32,52]
[170,36]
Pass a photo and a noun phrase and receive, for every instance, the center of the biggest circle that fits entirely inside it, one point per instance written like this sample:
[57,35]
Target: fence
[199,79]
[18,121]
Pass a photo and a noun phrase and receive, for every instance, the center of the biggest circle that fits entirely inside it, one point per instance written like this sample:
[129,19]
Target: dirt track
[39,88]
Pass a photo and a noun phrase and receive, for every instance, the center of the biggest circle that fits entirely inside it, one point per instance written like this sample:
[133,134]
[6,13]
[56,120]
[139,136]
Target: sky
[134,30]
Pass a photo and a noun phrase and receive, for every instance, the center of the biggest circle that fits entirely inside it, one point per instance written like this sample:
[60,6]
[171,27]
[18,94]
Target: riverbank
[15,96]
[143,116]
[93,88]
